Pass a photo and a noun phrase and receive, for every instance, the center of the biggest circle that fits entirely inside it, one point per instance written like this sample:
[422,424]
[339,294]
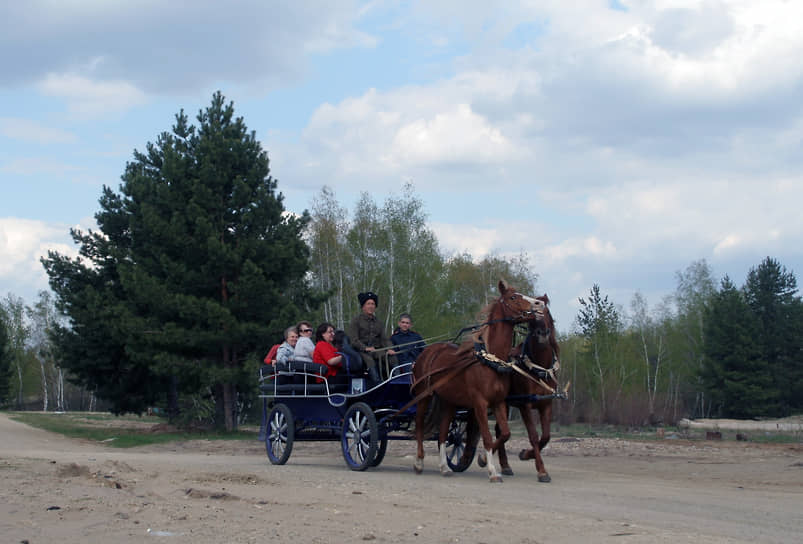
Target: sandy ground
[58,490]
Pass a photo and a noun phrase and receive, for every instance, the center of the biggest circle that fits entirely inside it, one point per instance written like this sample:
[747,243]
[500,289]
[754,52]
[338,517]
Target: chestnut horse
[542,349]
[460,379]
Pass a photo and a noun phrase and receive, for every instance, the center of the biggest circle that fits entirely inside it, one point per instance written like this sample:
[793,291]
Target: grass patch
[650,434]
[120,431]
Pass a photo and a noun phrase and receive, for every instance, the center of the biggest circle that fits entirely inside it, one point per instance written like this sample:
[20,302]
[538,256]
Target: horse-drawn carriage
[301,403]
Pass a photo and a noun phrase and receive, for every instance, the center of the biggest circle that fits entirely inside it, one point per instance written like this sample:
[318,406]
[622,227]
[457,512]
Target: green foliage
[5,359]
[196,266]
[771,293]
[601,326]
[735,372]
[390,250]
[17,354]
[704,352]
[695,288]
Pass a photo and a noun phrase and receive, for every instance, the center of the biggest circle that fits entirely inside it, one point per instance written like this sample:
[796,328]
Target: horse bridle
[504,303]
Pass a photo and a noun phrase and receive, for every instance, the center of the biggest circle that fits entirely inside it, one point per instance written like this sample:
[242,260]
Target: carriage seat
[304,379]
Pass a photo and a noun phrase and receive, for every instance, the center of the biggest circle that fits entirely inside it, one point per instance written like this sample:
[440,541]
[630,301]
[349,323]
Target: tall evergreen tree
[5,359]
[734,371]
[771,293]
[197,266]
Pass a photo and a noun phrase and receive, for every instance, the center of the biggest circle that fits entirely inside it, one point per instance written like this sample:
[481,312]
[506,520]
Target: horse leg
[420,414]
[500,410]
[447,414]
[482,457]
[532,433]
[504,465]
[487,441]
[546,417]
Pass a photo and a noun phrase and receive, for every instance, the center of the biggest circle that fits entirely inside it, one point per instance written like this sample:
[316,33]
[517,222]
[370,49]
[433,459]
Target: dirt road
[58,490]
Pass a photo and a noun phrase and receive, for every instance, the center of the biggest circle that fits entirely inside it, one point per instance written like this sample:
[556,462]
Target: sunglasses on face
[306,330]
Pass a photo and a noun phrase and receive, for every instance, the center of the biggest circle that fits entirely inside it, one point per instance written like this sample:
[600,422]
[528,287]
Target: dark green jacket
[367,331]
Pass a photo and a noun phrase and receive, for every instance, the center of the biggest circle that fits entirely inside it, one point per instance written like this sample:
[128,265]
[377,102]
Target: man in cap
[367,335]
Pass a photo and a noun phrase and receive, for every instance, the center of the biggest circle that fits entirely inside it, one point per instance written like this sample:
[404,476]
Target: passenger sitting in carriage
[368,336]
[285,351]
[325,353]
[343,345]
[409,343]
[304,346]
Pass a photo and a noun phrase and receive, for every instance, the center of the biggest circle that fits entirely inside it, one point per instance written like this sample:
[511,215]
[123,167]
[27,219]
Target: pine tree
[601,327]
[201,267]
[771,293]
[5,360]
[734,371]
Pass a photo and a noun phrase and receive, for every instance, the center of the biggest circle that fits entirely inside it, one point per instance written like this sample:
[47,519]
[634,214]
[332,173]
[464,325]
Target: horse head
[543,328]
[518,307]
[510,308]
[542,345]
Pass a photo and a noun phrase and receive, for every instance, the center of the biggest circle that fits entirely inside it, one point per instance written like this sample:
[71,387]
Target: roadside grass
[651,434]
[130,430]
[121,431]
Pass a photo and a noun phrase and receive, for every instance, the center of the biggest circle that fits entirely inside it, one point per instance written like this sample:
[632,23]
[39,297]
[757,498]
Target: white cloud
[587,248]
[88,98]
[455,136]
[158,47]
[456,239]
[28,130]
[22,243]
[36,165]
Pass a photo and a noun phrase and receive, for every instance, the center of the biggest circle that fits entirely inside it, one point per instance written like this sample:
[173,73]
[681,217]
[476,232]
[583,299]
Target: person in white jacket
[305,346]
[287,349]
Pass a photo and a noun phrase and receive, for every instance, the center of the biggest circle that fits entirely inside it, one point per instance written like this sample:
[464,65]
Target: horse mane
[545,299]
[481,316]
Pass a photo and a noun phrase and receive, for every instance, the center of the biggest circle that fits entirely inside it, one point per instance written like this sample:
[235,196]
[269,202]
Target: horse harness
[480,355]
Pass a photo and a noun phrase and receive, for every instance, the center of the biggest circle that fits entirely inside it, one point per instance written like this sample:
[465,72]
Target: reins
[515,367]
[430,388]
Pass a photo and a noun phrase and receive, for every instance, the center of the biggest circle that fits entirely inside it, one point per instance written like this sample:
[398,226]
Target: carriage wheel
[456,446]
[360,437]
[279,434]
[380,452]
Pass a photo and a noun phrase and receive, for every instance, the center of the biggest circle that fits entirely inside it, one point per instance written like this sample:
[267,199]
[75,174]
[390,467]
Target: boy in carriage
[409,344]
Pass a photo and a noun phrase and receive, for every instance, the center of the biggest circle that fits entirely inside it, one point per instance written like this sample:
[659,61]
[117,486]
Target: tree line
[196,269]
[708,350]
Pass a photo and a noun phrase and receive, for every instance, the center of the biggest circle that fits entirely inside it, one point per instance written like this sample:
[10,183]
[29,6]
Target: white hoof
[418,466]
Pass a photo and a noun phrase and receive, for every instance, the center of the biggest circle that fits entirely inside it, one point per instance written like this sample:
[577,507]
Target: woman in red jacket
[325,353]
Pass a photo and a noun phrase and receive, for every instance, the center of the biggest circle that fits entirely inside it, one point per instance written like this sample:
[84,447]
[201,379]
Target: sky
[614,142]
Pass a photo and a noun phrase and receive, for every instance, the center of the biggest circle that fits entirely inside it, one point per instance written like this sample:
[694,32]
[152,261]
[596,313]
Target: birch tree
[695,288]
[330,259]
[600,324]
[18,335]
[43,319]
[653,348]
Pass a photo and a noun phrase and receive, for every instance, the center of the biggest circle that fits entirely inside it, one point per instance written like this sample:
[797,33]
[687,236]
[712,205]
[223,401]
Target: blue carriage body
[299,403]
